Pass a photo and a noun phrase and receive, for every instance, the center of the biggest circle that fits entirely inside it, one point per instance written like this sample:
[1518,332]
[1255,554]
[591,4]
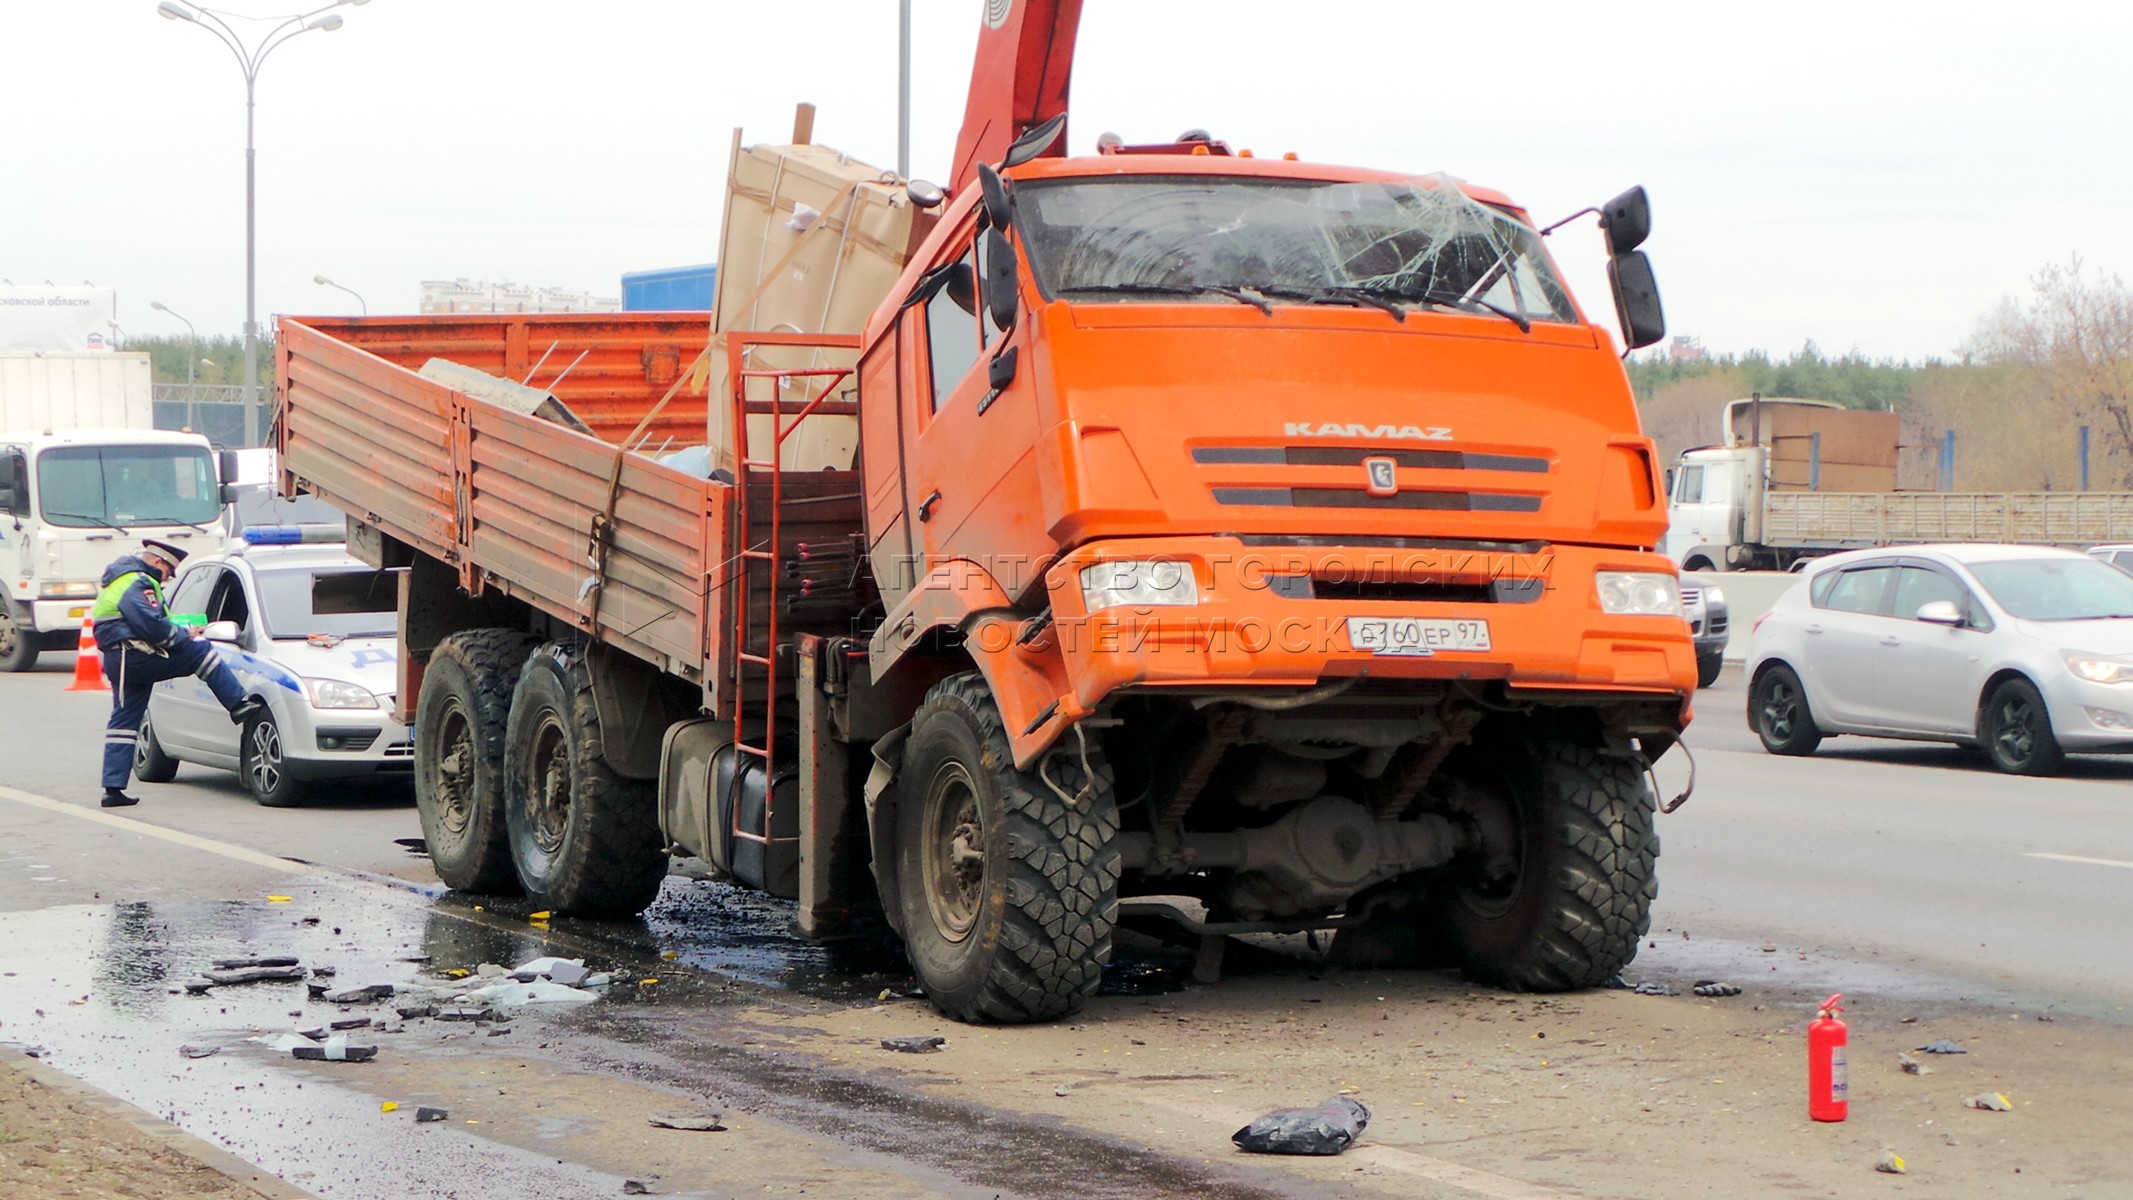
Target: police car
[308,628]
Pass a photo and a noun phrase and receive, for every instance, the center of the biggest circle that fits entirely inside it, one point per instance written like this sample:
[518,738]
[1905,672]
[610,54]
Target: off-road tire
[585,840]
[18,646]
[1572,913]
[150,763]
[2015,729]
[263,764]
[460,716]
[1778,713]
[1709,667]
[1023,933]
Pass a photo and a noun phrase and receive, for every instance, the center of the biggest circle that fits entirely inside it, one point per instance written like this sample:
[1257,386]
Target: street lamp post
[160,307]
[321,279]
[250,60]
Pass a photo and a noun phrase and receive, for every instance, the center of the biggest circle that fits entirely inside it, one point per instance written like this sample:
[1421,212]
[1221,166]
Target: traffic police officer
[141,649]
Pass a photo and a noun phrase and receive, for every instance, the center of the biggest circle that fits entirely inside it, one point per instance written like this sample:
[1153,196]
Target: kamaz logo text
[1412,433]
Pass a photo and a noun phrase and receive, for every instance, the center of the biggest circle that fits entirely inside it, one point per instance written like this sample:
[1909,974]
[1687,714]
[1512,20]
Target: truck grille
[1408,496]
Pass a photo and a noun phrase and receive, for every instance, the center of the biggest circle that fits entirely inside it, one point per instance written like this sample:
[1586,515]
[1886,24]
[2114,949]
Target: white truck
[84,477]
[1794,479]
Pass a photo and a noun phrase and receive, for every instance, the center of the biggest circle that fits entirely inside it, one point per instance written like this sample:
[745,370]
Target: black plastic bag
[1328,1128]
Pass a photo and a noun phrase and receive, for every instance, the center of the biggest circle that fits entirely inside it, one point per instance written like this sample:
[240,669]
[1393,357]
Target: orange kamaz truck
[1230,544]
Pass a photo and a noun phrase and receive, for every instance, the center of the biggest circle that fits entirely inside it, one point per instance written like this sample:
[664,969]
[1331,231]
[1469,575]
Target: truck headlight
[65,591]
[332,693]
[1135,584]
[1639,593]
[2097,669]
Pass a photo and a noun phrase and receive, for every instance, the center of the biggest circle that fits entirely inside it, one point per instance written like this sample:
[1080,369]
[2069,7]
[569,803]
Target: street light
[321,279]
[160,307]
[250,61]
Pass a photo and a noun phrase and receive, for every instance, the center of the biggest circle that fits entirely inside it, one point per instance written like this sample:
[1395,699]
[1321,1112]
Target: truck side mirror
[226,465]
[996,258]
[997,209]
[1627,220]
[1636,299]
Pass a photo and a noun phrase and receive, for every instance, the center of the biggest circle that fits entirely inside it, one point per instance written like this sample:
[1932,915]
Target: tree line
[2036,370]
[216,360]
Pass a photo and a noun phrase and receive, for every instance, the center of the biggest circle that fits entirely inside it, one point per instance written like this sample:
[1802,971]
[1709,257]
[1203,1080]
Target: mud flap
[881,817]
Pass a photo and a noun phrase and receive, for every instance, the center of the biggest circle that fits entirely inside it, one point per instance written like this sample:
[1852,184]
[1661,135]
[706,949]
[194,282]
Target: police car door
[175,709]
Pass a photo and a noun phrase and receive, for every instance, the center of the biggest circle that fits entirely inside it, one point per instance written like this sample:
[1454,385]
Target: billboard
[50,318]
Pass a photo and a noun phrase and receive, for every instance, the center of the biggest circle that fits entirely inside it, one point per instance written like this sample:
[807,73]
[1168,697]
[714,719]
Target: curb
[167,1135]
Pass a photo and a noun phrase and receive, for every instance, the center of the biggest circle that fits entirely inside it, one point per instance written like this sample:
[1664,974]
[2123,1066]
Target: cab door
[973,484]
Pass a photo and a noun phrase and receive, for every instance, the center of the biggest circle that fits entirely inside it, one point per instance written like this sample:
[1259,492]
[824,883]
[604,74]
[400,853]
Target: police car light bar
[291,535]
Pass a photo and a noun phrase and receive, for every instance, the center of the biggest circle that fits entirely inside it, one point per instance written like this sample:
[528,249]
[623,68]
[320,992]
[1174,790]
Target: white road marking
[2080,858]
[192,841]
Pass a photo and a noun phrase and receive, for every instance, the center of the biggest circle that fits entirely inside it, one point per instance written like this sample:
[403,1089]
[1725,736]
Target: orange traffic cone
[88,662]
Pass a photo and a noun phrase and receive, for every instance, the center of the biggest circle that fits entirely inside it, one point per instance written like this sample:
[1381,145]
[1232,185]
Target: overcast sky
[1874,176]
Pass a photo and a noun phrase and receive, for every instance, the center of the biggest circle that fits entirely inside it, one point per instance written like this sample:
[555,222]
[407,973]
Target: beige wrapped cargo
[813,240]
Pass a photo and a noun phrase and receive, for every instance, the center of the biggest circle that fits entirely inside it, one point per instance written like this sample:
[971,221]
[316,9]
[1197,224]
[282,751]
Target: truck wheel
[1709,667]
[1569,915]
[150,763]
[265,765]
[1009,891]
[18,646]
[1777,709]
[585,840]
[459,757]
[2016,730]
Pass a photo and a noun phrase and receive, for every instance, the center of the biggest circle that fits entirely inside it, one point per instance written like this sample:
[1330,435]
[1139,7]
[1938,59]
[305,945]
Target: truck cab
[73,501]
[1707,507]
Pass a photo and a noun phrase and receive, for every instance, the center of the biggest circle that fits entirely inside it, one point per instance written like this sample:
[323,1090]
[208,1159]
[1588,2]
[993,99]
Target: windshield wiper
[106,522]
[170,521]
[1353,297]
[1443,296]
[1173,289]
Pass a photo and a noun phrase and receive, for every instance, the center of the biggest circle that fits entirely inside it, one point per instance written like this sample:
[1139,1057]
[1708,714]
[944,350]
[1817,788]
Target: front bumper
[56,616]
[2092,717]
[343,743]
[1256,626]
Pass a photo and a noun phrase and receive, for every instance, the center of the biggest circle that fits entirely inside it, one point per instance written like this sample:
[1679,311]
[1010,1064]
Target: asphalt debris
[1890,1163]
[1943,1046]
[199,1051]
[425,1114]
[234,964]
[913,1045]
[253,975]
[362,995]
[1912,1066]
[697,1122]
[1989,1102]
[1329,1127]
[1713,987]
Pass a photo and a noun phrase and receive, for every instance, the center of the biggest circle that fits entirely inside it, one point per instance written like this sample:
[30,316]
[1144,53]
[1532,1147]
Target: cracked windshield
[1387,243]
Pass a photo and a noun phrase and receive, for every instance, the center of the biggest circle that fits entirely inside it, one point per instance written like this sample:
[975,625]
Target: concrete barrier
[1749,594]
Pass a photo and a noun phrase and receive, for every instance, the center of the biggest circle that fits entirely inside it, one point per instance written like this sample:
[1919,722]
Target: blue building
[670,289]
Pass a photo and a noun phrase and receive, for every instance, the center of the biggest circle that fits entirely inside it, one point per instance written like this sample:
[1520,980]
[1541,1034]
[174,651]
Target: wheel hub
[953,857]
[1780,708]
[455,808]
[549,788]
[266,757]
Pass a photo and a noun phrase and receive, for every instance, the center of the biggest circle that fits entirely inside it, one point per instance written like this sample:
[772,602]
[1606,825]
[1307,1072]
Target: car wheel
[1778,710]
[150,763]
[265,764]
[2016,731]
[1709,667]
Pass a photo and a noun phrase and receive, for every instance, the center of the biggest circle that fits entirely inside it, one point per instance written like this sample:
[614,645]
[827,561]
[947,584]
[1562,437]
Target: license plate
[1416,636]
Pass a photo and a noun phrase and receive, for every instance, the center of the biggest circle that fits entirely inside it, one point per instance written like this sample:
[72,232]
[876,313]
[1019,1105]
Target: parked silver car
[2023,651]
[312,631]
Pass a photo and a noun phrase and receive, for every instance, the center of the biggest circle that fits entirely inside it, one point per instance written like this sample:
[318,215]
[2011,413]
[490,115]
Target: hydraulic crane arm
[1025,60]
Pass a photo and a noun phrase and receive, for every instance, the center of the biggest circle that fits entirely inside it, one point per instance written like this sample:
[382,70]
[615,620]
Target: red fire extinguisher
[1827,1098]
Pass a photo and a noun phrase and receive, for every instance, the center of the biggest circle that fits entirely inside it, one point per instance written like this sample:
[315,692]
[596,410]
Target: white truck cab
[71,502]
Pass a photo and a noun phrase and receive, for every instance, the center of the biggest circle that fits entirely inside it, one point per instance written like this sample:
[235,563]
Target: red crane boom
[1025,60]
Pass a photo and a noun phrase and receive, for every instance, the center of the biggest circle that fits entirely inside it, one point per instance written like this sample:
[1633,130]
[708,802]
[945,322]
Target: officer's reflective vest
[107,601]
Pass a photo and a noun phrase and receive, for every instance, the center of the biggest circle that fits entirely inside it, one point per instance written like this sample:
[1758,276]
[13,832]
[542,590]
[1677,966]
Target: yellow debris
[647,982]
[670,955]
[388,1106]
[279,899]
[539,916]
[458,973]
